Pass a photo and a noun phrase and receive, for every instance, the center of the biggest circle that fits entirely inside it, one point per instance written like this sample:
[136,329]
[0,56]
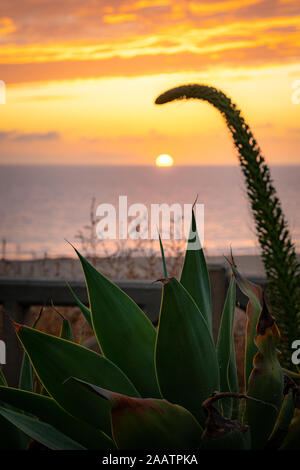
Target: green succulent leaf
[265,382]
[66,330]
[55,359]
[26,378]
[226,352]
[2,378]
[186,360]
[39,431]
[11,437]
[253,311]
[283,421]
[292,439]
[125,334]
[194,276]
[47,410]
[149,423]
[163,257]
[26,374]
[289,425]
[84,310]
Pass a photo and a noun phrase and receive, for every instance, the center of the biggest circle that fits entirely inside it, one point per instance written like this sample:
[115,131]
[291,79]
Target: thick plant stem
[277,250]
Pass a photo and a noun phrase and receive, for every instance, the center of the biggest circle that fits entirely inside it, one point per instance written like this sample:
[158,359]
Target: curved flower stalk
[278,251]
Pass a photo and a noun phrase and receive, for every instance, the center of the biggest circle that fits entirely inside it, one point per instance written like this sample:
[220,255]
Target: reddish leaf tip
[164,280]
[17,326]
[194,203]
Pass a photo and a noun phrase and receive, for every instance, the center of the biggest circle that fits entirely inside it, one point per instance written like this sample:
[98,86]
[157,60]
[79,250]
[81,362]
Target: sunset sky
[82,76]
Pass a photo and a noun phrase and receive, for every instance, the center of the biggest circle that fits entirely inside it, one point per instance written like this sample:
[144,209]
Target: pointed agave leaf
[254,308]
[163,257]
[66,330]
[149,423]
[292,439]
[55,359]
[26,374]
[85,311]
[265,382]
[194,276]
[39,431]
[283,421]
[11,438]
[125,334]
[47,410]
[26,377]
[186,360]
[226,351]
[2,378]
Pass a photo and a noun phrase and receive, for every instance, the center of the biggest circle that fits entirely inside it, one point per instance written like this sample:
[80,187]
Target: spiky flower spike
[278,251]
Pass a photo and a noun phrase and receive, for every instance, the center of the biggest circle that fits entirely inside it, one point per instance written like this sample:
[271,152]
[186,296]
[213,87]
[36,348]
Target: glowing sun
[164,160]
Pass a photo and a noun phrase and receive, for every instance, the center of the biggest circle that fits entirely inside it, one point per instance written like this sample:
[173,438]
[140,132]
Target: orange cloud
[217,7]
[122,18]
[185,38]
[7,26]
[58,21]
[141,4]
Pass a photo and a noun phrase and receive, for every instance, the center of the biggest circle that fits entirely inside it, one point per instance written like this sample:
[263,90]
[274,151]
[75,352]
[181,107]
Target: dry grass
[50,322]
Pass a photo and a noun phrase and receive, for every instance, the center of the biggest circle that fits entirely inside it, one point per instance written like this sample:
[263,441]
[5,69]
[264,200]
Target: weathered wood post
[14,351]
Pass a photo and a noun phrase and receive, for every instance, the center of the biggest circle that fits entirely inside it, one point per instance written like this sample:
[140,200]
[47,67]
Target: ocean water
[41,206]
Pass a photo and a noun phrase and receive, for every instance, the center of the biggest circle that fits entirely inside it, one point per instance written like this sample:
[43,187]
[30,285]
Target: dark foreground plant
[164,389]
[278,251]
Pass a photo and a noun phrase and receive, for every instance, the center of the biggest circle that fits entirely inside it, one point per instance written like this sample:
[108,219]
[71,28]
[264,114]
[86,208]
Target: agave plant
[170,388]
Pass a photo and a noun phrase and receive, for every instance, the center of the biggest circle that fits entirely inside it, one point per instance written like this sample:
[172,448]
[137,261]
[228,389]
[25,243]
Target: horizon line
[139,165]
